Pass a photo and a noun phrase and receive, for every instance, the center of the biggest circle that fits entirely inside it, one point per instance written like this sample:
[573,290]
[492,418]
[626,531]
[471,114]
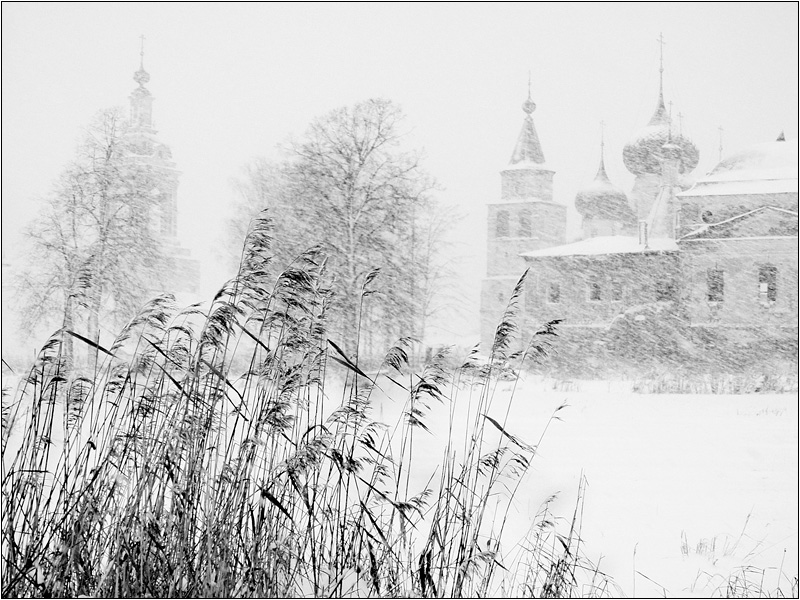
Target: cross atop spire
[601,171]
[529,105]
[661,43]
[660,116]
[141,53]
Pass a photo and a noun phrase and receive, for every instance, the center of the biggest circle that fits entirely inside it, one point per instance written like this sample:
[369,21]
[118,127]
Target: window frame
[715,285]
[554,293]
[767,284]
[502,224]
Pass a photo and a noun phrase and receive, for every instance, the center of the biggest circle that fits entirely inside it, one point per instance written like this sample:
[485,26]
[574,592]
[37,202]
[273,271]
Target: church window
[665,291]
[715,283]
[502,224]
[525,223]
[768,283]
[616,291]
[594,291]
[554,293]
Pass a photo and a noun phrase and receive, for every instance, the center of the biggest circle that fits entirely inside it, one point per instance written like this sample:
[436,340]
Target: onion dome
[603,200]
[141,77]
[645,153]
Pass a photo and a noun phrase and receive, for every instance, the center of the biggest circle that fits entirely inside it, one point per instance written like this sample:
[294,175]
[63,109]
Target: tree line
[346,186]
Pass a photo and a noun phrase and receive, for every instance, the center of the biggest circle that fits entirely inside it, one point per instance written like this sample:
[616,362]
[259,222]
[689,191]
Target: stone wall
[594,290]
[743,302]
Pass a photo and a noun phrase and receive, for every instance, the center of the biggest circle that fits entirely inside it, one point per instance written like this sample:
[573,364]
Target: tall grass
[212,453]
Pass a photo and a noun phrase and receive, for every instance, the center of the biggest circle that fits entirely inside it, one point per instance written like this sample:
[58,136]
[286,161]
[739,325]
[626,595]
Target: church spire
[141,100]
[141,76]
[660,116]
[601,171]
[528,148]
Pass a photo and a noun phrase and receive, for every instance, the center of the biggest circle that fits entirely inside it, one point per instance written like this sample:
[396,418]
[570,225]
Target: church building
[145,146]
[677,272]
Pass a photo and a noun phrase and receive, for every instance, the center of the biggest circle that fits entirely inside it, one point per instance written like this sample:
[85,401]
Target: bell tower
[525,218]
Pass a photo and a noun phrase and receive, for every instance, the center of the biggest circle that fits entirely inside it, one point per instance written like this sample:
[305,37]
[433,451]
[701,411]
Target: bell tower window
[501,227]
[525,223]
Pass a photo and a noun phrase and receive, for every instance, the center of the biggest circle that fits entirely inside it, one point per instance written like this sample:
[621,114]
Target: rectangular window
[594,291]
[665,291]
[525,223]
[715,282]
[616,291]
[554,293]
[501,227]
[768,283]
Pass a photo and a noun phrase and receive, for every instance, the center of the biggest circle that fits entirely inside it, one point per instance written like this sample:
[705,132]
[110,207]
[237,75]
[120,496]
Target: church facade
[675,273]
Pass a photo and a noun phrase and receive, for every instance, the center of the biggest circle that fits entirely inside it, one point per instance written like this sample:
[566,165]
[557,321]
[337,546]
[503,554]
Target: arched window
[501,227]
[525,223]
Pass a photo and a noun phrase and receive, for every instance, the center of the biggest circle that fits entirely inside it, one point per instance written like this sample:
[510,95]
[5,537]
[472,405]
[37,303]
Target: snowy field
[683,490]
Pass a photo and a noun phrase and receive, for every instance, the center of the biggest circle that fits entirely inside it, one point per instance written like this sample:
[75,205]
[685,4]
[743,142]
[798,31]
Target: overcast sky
[231,81]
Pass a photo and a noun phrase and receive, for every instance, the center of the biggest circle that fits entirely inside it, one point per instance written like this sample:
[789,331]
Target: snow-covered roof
[611,244]
[768,168]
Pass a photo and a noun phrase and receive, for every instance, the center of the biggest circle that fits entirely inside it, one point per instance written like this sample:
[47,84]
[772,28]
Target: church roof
[766,168]
[601,245]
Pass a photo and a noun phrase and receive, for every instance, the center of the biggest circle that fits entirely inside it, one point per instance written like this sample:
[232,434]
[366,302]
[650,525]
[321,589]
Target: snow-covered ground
[683,490]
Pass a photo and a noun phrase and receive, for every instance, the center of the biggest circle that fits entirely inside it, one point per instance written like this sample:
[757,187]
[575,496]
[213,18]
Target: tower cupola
[141,99]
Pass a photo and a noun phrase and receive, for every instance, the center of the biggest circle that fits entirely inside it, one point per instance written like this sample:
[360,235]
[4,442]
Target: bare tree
[92,247]
[348,186]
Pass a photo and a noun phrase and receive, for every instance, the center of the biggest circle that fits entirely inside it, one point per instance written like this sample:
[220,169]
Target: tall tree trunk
[93,323]
[67,341]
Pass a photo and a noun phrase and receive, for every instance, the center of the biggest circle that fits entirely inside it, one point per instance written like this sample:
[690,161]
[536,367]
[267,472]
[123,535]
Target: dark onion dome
[645,153]
[603,200]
